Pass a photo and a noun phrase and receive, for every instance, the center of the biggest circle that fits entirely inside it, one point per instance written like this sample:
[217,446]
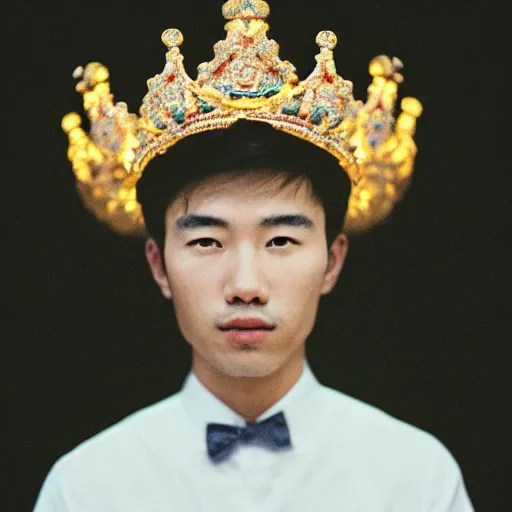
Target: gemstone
[317,114]
[179,115]
[172,38]
[157,122]
[326,39]
[205,107]
[292,109]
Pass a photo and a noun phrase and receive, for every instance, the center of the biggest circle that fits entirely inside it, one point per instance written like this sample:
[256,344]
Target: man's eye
[204,242]
[282,241]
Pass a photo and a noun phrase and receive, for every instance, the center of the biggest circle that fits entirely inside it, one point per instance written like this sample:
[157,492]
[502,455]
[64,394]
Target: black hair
[245,147]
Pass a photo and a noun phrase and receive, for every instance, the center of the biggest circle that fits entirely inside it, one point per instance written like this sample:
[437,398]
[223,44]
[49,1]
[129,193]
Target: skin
[274,272]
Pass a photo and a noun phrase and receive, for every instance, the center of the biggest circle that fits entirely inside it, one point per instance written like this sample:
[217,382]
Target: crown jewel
[246,79]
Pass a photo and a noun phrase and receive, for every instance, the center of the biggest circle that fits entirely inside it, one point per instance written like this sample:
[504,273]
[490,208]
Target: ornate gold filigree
[246,79]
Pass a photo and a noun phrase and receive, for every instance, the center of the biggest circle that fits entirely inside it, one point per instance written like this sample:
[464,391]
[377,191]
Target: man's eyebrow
[290,219]
[195,221]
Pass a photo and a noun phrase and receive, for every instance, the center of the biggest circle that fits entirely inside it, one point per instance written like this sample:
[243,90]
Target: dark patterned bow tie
[272,433]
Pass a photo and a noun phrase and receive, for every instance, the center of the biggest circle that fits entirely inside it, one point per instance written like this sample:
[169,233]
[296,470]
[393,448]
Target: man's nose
[245,279]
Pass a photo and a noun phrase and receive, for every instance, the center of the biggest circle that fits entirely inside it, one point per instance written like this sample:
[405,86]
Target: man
[245,259]
[246,236]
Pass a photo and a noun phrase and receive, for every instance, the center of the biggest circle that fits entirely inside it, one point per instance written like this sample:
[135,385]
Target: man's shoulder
[112,461]
[381,436]
[135,434]
[387,449]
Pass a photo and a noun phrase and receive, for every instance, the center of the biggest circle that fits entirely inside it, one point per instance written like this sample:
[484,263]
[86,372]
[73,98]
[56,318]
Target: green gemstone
[204,107]
[317,114]
[178,114]
[292,109]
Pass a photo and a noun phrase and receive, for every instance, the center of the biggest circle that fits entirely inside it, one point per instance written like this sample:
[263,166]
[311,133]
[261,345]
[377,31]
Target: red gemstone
[222,67]
[378,106]
[328,78]
[247,41]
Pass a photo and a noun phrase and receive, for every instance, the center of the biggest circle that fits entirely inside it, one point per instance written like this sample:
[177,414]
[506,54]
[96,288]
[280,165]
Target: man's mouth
[248,323]
[246,335]
[246,328]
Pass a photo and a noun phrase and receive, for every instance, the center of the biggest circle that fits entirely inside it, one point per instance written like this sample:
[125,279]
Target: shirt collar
[298,405]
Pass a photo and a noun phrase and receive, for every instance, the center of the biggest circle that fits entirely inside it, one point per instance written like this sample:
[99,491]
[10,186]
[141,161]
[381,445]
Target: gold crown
[248,80]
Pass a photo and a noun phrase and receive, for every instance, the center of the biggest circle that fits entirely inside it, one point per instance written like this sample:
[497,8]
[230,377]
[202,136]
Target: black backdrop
[416,325]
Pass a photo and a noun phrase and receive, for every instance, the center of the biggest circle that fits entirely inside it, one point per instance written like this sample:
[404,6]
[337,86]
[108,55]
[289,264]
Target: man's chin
[250,366]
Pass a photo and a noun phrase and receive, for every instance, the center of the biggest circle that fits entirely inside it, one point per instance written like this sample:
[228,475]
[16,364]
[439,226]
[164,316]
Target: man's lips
[246,330]
[247,324]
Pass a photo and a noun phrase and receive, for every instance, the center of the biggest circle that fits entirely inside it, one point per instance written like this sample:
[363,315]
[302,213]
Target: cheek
[190,302]
[188,274]
[300,277]
[191,287]
[194,288]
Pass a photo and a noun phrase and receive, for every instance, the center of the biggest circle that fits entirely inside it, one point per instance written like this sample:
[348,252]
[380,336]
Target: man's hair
[247,147]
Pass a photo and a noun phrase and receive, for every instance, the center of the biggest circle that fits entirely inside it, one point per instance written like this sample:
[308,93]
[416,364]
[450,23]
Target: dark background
[417,324]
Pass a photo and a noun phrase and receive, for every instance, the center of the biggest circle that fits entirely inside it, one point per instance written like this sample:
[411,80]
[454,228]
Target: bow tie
[222,440]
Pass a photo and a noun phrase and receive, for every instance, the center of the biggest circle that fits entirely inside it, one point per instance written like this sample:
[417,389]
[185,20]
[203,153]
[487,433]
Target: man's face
[242,250]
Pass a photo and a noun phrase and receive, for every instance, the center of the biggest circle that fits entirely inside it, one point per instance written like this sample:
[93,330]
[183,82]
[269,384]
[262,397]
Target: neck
[249,396]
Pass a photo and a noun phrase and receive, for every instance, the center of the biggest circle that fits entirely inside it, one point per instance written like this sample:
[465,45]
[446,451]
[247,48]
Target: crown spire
[245,10]
[246,63]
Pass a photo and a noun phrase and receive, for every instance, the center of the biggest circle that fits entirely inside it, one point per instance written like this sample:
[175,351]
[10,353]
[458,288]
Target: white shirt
[345,456]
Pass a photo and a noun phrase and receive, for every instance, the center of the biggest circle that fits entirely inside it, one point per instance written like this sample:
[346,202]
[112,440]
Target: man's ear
[337,254]
[156,264]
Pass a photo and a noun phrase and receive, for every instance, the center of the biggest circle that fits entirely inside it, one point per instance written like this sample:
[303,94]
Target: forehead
[259,192]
